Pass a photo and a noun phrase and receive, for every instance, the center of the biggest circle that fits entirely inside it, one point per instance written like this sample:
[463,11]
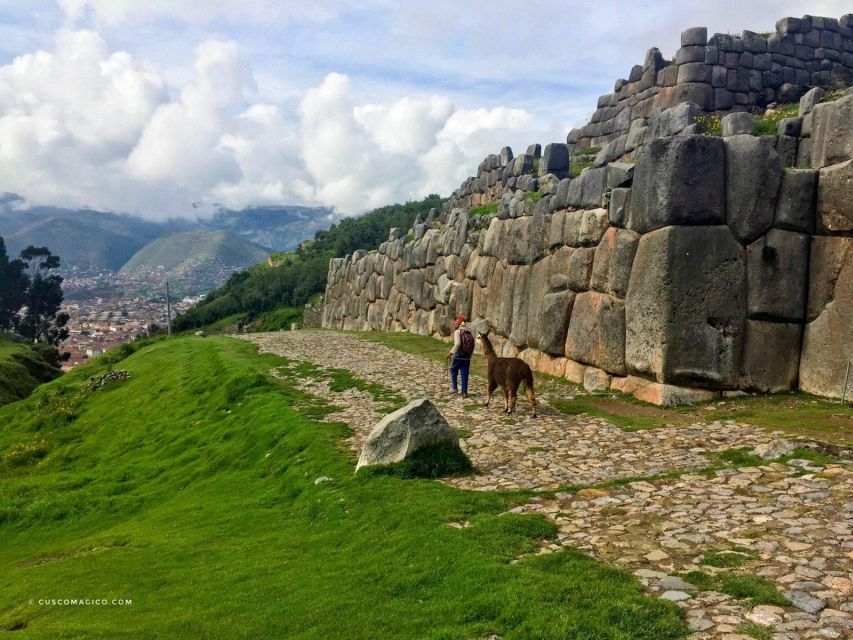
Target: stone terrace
[794,519]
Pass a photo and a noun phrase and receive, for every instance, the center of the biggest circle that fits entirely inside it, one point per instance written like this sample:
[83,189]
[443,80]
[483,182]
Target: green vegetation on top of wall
[484,210]
[765,125]
[219,501]
[262,289]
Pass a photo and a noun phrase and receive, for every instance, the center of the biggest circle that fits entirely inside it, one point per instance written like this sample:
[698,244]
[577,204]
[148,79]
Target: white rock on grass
[401,433]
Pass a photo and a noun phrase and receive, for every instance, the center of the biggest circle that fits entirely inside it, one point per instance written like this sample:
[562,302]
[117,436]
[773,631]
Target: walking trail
[791,523]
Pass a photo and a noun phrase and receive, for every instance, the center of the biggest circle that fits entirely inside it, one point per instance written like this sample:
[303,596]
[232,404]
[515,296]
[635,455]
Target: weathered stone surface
[619,174]
[619,207]
[771,356]
[678,180]
[669,395]
[827,344]
[574,371]
[520,303]
[777,275]
[588,188]
[555,159]
[832,132]
[695,36]
[736,123]
[580,269]
[400,434]
[596,333]
[538,285]
[810,99]
[556,310]
[795,208]
[595,380]
[835,198]
[611,268]
[686,306]
[753,173]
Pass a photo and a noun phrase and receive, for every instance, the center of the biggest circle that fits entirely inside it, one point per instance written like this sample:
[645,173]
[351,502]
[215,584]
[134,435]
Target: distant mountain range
[190,254]
[102,241]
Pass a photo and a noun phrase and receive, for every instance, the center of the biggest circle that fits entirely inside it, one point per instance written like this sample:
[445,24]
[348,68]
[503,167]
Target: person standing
[460,356]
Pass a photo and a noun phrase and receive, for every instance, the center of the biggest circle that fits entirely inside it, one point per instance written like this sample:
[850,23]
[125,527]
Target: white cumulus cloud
[83,125]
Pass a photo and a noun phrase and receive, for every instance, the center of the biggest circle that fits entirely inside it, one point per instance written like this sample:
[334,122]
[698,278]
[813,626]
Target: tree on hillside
[41,320]
[14,282]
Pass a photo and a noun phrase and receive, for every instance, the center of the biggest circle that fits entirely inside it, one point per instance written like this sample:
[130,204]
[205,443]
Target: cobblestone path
[791,524]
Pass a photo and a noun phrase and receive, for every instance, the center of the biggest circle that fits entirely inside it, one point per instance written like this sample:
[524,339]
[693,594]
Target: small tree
[14,282]
[41,320]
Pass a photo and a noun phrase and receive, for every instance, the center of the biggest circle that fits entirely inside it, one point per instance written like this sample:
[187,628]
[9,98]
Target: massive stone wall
[724,73]
[706,266]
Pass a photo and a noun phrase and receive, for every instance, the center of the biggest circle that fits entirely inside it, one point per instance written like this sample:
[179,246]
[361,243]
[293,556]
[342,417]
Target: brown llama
[508,373]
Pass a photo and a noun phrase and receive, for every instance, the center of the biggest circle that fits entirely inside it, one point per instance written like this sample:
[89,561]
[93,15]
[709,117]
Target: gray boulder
[777,275]
[811,98]
[580,268]
[795,208]
[678,180]
[753,173]
[737,123]
[588,188]
[400,434]
[686,306]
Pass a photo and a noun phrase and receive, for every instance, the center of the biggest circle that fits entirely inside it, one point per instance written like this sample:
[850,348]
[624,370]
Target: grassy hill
[23,367]
[272,297]
[215,499]
[185,253]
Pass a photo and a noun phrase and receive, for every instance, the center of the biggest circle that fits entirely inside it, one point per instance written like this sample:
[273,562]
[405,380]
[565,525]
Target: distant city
[108,308]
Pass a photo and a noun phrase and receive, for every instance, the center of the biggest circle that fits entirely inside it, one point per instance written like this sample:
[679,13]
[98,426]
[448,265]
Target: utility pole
[168,311]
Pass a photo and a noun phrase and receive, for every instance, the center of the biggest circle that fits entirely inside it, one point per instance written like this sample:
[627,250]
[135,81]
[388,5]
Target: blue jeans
[460,365]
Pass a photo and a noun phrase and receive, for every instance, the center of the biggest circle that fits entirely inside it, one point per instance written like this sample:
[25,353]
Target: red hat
[460,319]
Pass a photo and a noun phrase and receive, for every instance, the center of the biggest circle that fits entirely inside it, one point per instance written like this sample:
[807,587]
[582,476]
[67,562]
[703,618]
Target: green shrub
[765,125]
[710,124]
[484,210]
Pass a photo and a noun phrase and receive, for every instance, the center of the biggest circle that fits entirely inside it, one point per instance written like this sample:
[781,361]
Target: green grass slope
[215,499]
[182,253]
[22,369]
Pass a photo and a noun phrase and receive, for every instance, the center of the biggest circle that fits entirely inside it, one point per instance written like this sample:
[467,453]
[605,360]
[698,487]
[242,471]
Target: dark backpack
[466,342]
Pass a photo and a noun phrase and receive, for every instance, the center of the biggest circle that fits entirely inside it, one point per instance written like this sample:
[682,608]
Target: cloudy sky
[170,107]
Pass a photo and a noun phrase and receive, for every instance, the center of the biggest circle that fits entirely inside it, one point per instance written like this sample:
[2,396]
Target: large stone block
[539,283]
[611,268]
[580,268]
[832,132]
[678,180]
[588,188]
[520,302]
[560,261]
[686,306]
[753,173]
[619,208]
[795,208]
[777,275]
[555,159]
[596,333]
[835,198]
[827,343]
[556,311]
[771,356]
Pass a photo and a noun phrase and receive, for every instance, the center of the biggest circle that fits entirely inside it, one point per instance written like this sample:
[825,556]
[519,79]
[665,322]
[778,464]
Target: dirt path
[791,524]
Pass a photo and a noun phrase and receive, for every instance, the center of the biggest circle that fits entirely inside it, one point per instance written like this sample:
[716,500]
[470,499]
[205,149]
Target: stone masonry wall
[724,73]
[708,265]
